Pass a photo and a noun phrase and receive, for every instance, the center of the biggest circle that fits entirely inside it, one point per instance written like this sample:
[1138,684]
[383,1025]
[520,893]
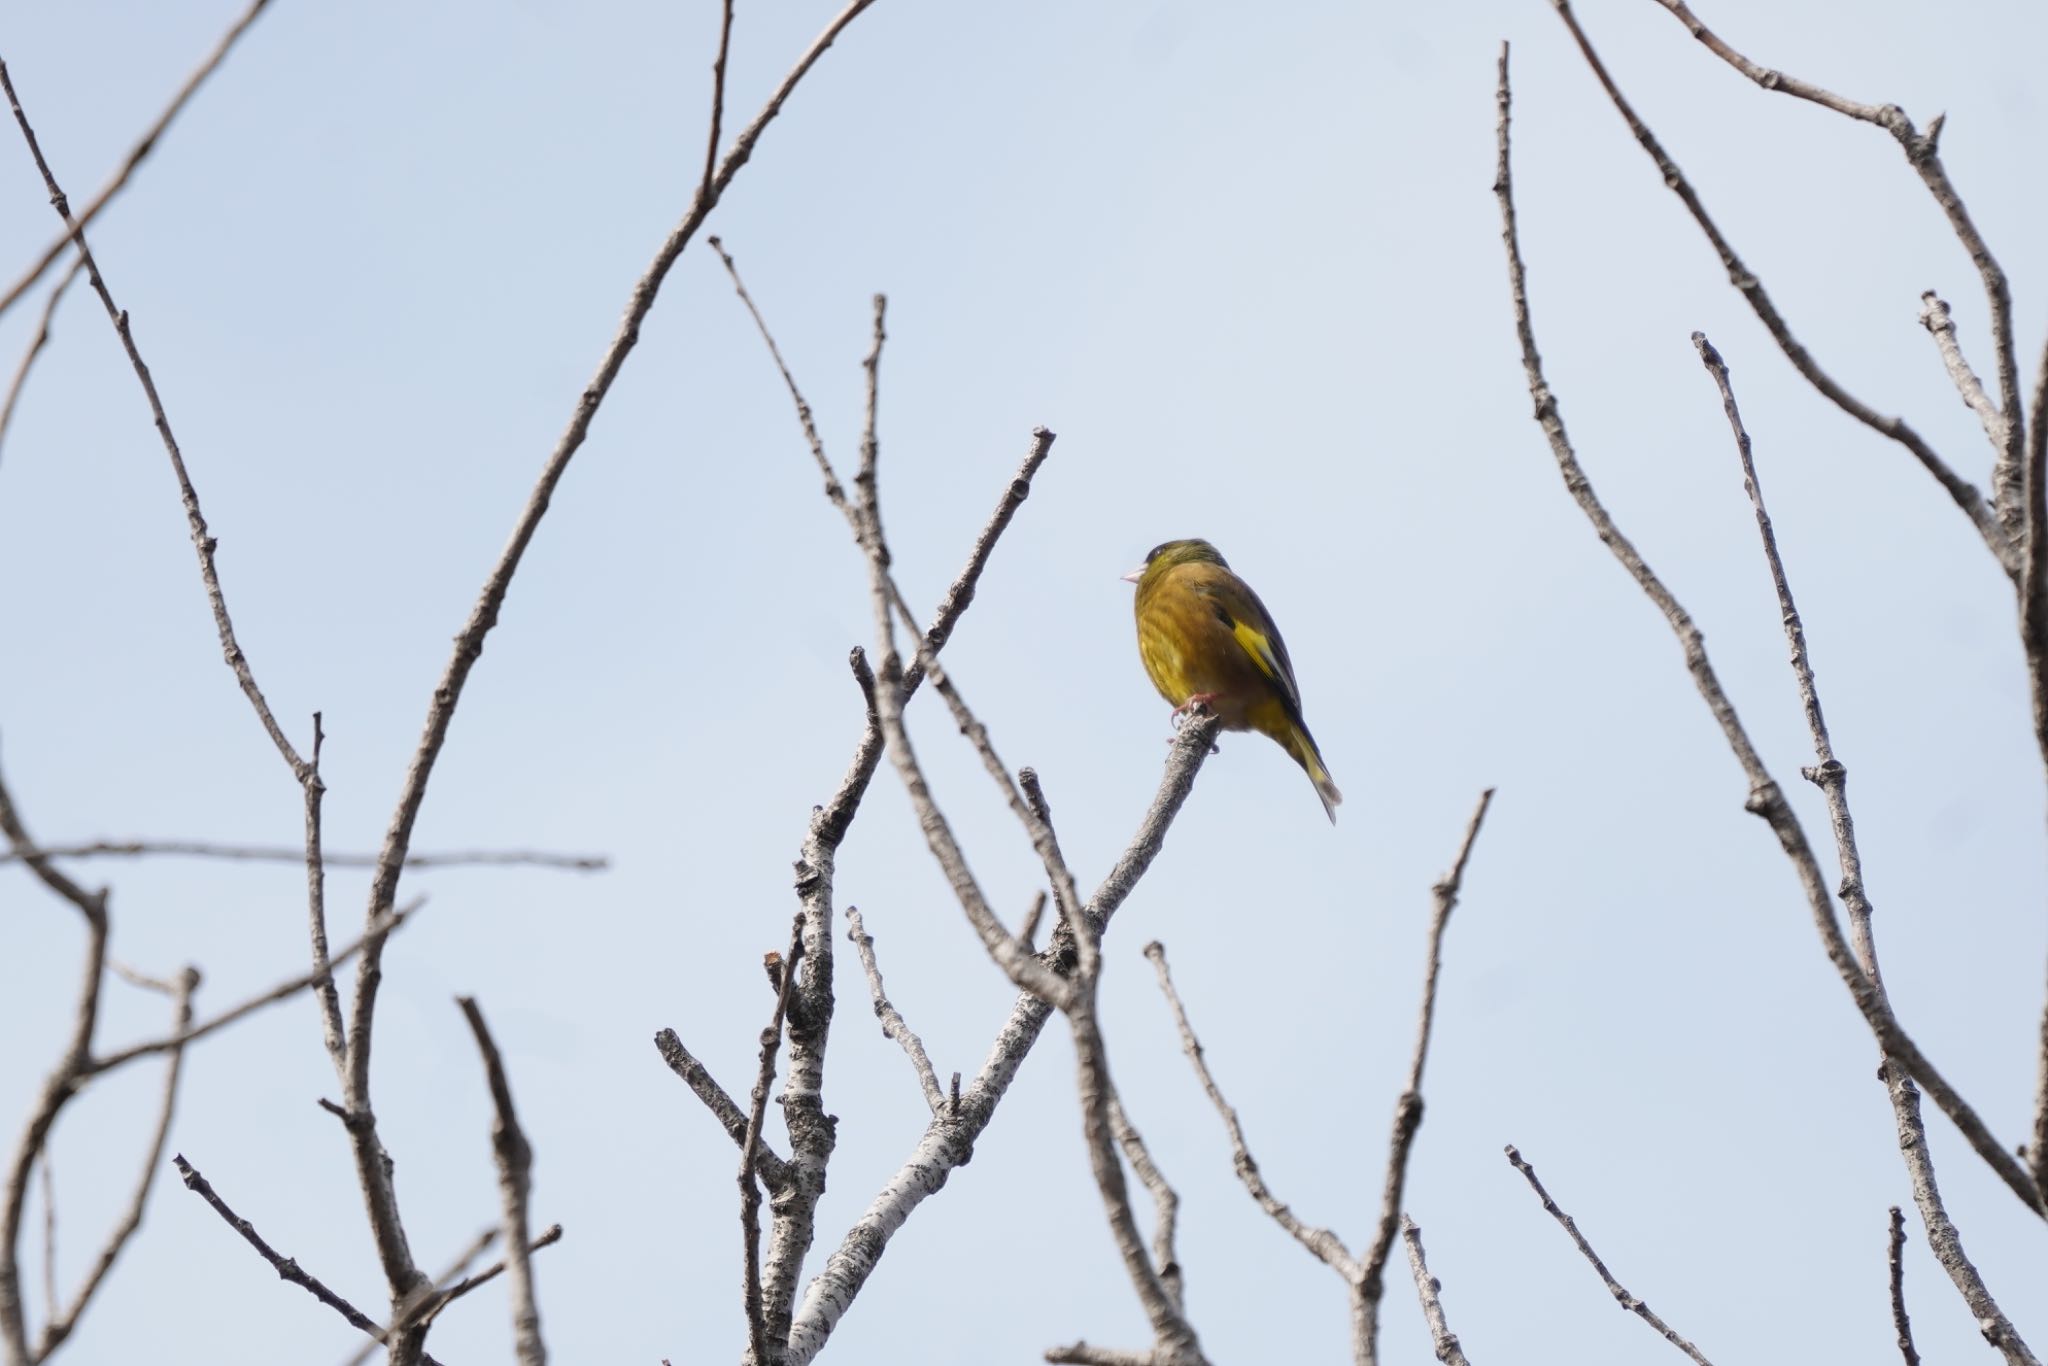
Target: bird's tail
[1302,746]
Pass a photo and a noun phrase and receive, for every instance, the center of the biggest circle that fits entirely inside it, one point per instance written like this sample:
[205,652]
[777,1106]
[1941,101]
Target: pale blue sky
[1249,270]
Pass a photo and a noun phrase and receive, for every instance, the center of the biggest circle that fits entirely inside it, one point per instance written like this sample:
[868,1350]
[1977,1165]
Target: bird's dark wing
[1248,622]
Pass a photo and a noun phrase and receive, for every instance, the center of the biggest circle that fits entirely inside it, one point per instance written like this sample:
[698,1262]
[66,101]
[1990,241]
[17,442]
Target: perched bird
[1206,640]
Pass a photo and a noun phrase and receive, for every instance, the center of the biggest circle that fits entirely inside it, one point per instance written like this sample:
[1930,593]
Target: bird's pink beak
[1135,574]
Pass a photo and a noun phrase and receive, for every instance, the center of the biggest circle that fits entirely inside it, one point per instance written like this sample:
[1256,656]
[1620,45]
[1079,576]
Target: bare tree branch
[1370,1283]
[202,540]
[948,1141]
[773,1168]
[58,1088]
[60,1325]
[36,344]
[371,1161]
[1622,1297]
[1832,777]
[1174,1338]
[284,853]
[1934,316]
[1326,1246]
[514,1156]
[287,1268]
[1430,1290]
[283,991]
[1765,798]
[750,1192]
[137,154]
[334,1033]
[1896,1264]
[1924,155]
[2034,640]
[1081,1354]
[449,1293]
[1165,1203]
[1961,490]
[893,1026]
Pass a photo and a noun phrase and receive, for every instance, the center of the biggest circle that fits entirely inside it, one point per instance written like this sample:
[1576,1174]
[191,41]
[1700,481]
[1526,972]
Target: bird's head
[1171,555]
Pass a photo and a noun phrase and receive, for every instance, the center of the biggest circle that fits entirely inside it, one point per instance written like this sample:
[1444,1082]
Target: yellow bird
[1206,640]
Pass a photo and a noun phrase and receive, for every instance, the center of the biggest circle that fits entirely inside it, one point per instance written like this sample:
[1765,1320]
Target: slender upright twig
[925,650]
[1430,1291]
[1895,1263]
[1622,1297]
[750,1190]
[151,138]
[1370,1284]
[893,1025]
[1934,316]
[514,1158]
[1165,1201]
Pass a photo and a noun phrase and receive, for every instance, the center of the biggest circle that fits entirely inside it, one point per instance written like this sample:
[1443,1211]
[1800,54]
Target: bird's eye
[1153,553]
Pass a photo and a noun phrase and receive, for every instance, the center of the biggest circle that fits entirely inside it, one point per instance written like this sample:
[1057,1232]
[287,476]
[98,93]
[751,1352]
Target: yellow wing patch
[1256,645]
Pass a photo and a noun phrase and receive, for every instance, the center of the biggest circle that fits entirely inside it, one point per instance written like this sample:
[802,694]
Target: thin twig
[1174,1340]
[1923,153]
[717,102]
[514,1158]
[750,1190]
[925,659]
[325,994]
[446,1296]
[1165,1202]
[1934,316]
[2034,640]
[48,1183]
[1008,953]
[1832,777]
[1895,1262]
[202,540]
[1325,1245]
[61,1325]
[893,1026]
[286,853]
[1765,798]
[1370,1284]
[1962,491]
[36,344]
[59,1087]
[287,1268]
[1621,1296]
[1027,933]
[283,991]
[772,1167]
[1430,1291]
[137,154]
